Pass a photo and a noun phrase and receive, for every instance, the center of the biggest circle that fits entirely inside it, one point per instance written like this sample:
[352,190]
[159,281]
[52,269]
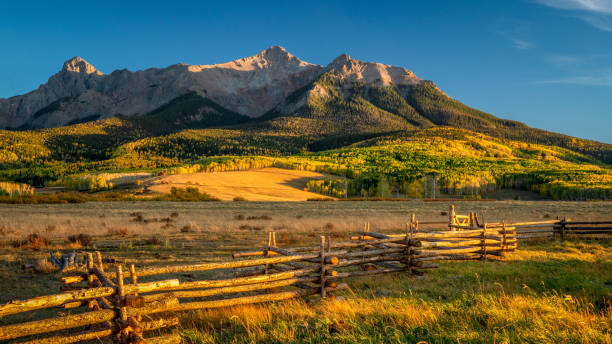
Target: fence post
[99,259]
[484,243]
[322,253]
[504,244]
[91,304]
[451,217]
[563,224]
[122,322]
[267,251]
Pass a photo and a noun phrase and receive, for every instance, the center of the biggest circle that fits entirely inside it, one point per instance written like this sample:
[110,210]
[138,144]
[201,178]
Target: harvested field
[267,184]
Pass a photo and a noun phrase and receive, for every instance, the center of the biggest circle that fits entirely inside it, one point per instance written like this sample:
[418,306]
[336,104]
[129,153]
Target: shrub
[262,217]
[239,199]
[45,266]
[123,231]
[168,225]
[189,194]
[83,239]
[187,229]
[154,240]
[32,241]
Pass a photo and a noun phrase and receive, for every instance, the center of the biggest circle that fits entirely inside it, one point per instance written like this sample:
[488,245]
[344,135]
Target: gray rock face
[351,70]
[250,86]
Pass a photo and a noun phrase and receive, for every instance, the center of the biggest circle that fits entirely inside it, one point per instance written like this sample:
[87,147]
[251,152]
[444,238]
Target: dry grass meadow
[266,184]
[545,292]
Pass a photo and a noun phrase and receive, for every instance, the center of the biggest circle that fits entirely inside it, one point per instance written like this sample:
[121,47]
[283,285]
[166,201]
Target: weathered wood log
[248,254]
[244,288]
[55,324]
[100,261]
[152,307]
[72,338]
[529,223]
[547,230]
[495,226]
[401,239]
[136,301]
[450,251]
[121,295]
[102,277]
[376,238]
[159,323]
[224,265]
[133,274]
[48,301]
[242,280]
[377,235]
[330,258]
[352,262]
[456,234]
[151,286]
[104,303]
[370,272]
[74,279]
[244,300]
[283,269]
[571,223]
[449,257]
[165,339]
[443,244]
[77,304]
[370,253]
[322,269]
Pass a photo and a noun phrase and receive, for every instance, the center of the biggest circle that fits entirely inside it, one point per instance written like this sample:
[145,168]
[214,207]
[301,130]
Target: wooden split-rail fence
[107,299]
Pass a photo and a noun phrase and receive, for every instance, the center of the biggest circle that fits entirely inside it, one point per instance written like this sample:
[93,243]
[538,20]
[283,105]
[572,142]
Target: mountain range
[272,94]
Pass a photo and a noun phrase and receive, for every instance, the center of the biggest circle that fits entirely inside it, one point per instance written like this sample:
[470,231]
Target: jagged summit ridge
[79,65]
[350,69]
[249,86]
[275,57]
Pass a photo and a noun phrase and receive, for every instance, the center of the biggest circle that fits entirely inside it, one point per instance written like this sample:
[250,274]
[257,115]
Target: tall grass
[544,293]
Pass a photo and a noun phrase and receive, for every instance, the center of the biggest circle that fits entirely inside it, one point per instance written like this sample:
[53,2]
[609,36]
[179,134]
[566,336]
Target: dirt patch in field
[267,184]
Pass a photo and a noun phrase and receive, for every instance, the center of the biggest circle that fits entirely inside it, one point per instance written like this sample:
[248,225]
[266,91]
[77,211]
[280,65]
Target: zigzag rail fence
[119,305]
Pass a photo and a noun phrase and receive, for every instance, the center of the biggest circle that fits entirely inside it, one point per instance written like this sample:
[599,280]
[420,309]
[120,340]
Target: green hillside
[390,135]
[333,107]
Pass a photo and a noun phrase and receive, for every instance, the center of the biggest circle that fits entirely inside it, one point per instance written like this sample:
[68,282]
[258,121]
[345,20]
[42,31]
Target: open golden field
[545,292]
[266,184]
[100,218]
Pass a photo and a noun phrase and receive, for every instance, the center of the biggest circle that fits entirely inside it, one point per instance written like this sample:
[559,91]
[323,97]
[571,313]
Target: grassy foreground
[544,293]
[547,292]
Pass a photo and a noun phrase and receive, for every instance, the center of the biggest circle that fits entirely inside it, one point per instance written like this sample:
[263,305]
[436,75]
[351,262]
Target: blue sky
[547,63]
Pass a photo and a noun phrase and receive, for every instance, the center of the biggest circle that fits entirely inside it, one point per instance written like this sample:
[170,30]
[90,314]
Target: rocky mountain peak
[78,65]
[352,70]
[278,56]
[339,61]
